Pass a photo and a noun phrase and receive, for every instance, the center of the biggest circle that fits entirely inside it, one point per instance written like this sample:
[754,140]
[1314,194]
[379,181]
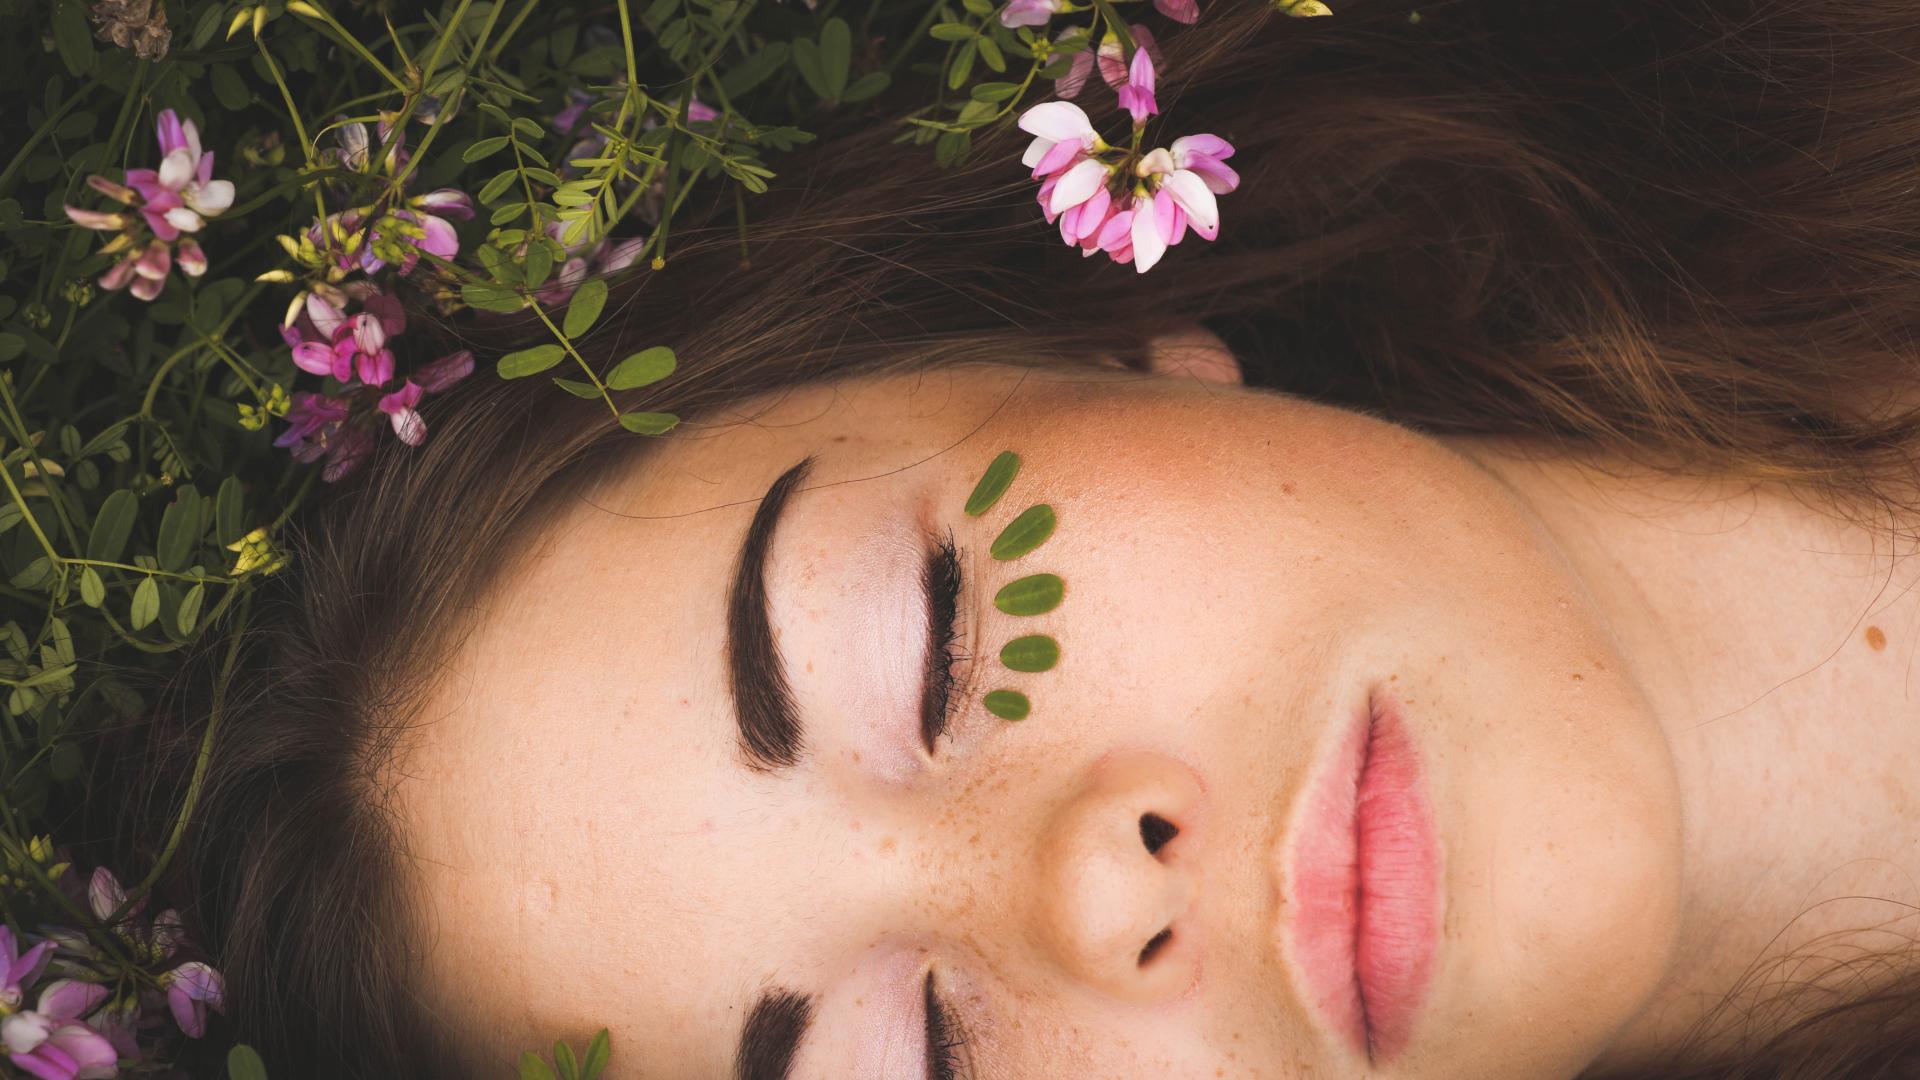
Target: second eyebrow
[770,734]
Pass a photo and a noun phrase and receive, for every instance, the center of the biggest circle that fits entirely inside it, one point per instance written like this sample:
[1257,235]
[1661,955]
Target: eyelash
[943,582]
[944,1041]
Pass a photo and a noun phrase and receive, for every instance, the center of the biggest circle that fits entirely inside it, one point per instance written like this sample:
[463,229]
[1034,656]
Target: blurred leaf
[190,607]
[71,36]
[866,86]
[755,69]
[577,388]
[564,1062]
[228,88]
[229,511]
[492,297]
[179,530]
[836,52]
[243,1063]
[34,575]
[112,526]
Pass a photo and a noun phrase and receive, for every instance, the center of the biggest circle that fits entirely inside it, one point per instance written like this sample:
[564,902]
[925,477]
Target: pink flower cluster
[354,350]
[1131,205]
[367,238]
[165,207]
[73,1031]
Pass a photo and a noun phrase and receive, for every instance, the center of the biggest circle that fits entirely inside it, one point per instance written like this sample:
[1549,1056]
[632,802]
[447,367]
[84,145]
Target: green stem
[512,29]
[299,127]
[195,785]
[354,43]
[567,344]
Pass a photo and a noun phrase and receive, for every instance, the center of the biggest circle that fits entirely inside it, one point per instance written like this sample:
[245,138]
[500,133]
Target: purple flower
[430,378]
[354,345]
[1112,56]
[52,1043]
[316,427]
[193,988]
[1185,11]
[168,202]
[1137,96]
[21,969]
[1028,12]
[586,260]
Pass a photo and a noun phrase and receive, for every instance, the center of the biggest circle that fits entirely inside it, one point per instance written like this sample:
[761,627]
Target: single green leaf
[1034,652]
[483,148]
[9,516]
[496,298]
[65,762]
[648,423]
[755,69]
[806,59]
[112,527]
[576,387]
[990,52]
[866,86]
[35,574]
[179,530]
[525,362]
[497,186]
[836,52]
[980,8]
[229,511]
[532,1068]
[70,36]
[228,88]
[146,603]
[951,31]
[1024,533]
[189,613]
[1033,595]
[993,483]
[643,368]
[62,639]
[506,213]
[93,591]
[598,1053]
[243,1063]
[1007,704]
[962,64]
[584,309]
[564,1062]
[11,345]
[993,91]
[537,265]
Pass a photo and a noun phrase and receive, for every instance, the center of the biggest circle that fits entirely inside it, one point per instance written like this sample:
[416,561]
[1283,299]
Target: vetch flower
[21,970]
[1061,132]
[1069,84]
[1185,11]
[1028,12]
[1112,55]
[52,1043]
[192,989]
[1204,156]
[168,203]
[430,378]
[1137,96]
[584,260]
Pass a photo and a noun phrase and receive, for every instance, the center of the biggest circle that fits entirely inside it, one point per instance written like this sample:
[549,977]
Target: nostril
[1154,946]
[1156,831]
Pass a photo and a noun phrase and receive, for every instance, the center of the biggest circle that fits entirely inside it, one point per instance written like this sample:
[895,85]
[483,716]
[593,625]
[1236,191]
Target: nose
[1118,878]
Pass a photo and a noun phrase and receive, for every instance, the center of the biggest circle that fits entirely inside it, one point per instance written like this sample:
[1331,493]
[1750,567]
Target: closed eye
[941,581]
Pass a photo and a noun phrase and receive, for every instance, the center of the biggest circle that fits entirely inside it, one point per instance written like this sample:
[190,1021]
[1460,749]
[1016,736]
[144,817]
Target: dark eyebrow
[772,1036]
[763,706]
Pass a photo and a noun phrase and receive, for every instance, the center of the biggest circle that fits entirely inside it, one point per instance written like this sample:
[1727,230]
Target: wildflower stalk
[319,14]
[40,466]
[53,557]
[512,29]
[205,756]
[567,343]
[426,80]
[299,129]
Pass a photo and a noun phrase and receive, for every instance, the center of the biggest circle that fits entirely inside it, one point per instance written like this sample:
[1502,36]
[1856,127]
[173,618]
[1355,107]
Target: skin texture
[1243,571]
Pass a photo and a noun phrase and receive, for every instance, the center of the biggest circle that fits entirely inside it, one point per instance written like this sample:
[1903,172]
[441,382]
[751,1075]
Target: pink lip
[1364,879]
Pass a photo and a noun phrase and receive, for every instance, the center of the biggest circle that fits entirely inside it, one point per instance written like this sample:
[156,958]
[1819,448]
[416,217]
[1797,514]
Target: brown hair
[1683,233]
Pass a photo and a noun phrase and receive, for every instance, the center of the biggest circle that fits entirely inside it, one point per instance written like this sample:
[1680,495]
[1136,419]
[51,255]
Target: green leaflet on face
[993,483]
[1036,594]
[1008,704]
[1035,652]
[1024,533]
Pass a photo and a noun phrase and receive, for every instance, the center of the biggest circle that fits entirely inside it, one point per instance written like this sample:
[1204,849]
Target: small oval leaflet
[1035,594]
[644,368]
[146,603]
[584,309]
[993,483]
[1008,704]
[518,365]
[1024,533]
[243,1063]
[1034,652]
[648,423]
[189,613]
[112,526]
[93,591]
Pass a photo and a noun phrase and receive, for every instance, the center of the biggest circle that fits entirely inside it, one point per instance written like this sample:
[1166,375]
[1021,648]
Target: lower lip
[1365,878]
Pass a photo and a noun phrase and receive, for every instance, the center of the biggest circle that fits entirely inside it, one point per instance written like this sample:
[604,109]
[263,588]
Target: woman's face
[598,842]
